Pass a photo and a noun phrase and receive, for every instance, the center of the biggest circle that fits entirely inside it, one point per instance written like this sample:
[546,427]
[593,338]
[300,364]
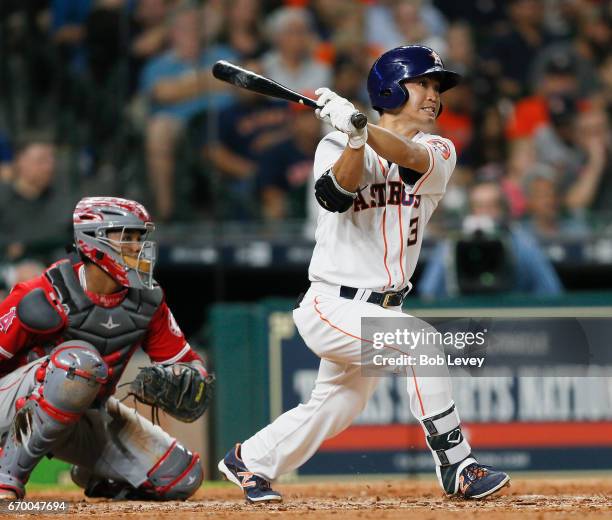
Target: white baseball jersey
[376,243]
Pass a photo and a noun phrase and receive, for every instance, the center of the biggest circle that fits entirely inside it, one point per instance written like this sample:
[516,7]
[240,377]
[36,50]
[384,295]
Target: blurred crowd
[117,97]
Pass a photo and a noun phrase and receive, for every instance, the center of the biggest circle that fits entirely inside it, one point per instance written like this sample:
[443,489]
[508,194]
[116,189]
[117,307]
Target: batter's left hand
[338,112]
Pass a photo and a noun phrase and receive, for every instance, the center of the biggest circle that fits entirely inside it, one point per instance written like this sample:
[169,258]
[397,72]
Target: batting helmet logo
[437,59]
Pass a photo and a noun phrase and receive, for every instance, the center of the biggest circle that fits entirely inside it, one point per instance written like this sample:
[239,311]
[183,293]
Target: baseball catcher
[66,338]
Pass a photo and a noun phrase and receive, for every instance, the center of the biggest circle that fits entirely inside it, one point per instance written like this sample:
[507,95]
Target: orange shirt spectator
[531,113]
[457,127]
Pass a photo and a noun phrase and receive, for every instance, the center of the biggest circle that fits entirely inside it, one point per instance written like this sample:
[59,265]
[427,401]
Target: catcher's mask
[130,262]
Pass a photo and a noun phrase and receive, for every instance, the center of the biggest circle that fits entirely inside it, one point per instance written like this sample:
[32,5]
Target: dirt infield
[530,499]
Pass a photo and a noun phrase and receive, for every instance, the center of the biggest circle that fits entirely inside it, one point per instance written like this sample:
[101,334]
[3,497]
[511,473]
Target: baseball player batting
[377,188]
[65,339]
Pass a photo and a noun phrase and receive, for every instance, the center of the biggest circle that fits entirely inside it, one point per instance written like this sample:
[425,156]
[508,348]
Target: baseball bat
[249,80]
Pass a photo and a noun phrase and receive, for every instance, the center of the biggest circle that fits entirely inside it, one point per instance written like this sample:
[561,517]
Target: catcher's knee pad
[72,377]
[177,475]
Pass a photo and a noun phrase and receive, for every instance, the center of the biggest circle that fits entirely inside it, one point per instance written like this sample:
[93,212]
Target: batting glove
[338,112]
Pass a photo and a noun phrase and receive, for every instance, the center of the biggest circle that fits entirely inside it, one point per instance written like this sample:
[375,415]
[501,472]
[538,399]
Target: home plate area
[527,498]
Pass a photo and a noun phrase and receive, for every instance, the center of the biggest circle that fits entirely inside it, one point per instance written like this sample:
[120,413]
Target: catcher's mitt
[180,390]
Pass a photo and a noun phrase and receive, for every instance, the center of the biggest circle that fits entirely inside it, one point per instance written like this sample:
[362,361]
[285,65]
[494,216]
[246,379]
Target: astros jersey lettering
[376,243]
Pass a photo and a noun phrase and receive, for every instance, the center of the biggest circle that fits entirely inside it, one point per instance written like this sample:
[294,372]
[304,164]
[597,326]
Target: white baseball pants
[331,327]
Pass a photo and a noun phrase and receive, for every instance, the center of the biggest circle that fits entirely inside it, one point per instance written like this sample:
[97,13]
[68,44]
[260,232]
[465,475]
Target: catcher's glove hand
[180,390]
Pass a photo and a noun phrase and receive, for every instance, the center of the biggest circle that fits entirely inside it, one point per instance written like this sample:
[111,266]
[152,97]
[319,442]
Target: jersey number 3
[413,231]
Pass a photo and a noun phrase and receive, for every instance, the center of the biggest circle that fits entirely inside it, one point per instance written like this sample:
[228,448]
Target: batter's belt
[384,299]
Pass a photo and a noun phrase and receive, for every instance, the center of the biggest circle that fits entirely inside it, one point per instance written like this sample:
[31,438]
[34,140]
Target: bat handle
[359,120]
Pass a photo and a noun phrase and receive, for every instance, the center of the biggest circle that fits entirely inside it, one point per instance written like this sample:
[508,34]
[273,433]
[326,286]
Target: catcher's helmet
[95,217]
[385,81]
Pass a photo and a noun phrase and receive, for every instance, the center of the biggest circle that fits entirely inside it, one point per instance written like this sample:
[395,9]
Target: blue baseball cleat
[256,488]
[472,480]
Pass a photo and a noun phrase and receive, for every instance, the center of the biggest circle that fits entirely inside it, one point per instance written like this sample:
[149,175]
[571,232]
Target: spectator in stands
[348,80]
[555,142]
[291,61]
[510,53]
[14,273]
[532,112]
[150,33]
[521,157]
[577,51]
[490,143]
[246,130]
[286,169]
[178,85]
[106,36]
[6,158]
[596,29]
[68,19]
[242,30]
[456,120]
[460,54]
[543,218]
[412,28]
[561,18]
[390,23]
[339,27]
[592,190]
[605,75]
[485,17]
[331,18]
[532,273]
[32,208]
[21,271]
[151,28]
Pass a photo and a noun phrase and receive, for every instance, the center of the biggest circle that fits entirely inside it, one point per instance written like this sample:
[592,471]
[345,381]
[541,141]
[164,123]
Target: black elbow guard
[331,196]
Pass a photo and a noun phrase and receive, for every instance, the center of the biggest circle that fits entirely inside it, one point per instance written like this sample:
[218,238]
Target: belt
[386,299]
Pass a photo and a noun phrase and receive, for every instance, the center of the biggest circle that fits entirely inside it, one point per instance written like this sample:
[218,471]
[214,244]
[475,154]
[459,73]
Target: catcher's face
[136,251]
[127,242]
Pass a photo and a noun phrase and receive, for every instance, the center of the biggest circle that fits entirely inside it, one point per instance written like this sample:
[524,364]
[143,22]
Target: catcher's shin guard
[176,476]
[70,378]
